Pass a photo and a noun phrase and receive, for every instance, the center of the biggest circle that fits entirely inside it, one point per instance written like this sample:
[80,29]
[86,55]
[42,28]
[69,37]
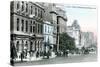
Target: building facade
[52,17]
[74,32]
[48,37]
[87,39]
[27,27]
[58,19]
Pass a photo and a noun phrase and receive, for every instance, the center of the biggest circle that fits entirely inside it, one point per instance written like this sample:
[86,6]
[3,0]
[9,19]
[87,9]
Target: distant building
[74,32]
[87,39]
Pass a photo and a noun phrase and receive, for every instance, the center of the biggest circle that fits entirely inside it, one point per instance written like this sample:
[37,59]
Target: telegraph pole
[57,40]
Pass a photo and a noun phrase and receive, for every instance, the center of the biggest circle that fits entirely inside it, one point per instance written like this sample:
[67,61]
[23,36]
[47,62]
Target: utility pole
[57,40]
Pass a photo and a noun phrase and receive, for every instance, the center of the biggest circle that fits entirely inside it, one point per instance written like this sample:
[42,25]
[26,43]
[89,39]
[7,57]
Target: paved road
[59,60]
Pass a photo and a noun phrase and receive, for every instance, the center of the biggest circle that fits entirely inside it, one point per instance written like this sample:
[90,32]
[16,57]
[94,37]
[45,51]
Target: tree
[66,42]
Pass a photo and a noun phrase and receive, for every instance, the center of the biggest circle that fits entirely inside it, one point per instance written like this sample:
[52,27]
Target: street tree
[66,42]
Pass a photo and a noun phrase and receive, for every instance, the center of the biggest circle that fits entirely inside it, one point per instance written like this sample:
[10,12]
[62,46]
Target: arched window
[26,7]
[22,6]
[17,24]
[18,5]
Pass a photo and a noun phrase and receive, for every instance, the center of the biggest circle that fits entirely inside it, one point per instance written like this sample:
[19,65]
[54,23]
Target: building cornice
[62,18]
[54,12]
[38,5]
[34,18]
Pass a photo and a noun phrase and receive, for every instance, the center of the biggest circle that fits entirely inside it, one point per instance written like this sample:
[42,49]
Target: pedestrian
[22,56]
[67,53]
[13,54]
[12,62]
[48,54]
[37,54]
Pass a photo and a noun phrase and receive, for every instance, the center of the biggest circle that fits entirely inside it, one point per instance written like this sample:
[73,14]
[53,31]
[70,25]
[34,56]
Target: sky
[85,15]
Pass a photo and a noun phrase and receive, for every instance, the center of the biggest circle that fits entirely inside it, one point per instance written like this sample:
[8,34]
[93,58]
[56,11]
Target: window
[18,5]
[22,25]
[22,44]
[35,11]
[31,27]
[38,13]
[26,26]
[41,28]
[35,44]
[38,27]
[41,14]
[26,45]
[17,24]
[48,29]
[31,45]
[22,6]
[26,7]
[34,22]
[17,46]
[45,28]
[31,9]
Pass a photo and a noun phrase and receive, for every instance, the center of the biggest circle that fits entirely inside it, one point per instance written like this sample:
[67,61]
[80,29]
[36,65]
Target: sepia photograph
[44,33]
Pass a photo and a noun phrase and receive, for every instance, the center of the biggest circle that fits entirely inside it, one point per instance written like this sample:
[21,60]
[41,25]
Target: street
[59,60]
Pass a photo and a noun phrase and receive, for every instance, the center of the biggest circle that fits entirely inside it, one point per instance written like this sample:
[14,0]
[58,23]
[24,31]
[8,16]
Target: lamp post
[58,31]
[57,37]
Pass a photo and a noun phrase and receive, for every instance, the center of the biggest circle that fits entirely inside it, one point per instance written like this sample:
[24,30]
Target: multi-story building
[74,32]
[27,27]
[58,19]
[51,19]
[87,39]
[48,36]
[62,19]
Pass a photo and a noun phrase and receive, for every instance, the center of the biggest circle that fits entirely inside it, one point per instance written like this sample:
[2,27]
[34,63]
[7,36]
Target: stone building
[75,32]
[48,37]
[62,19]
[57,17]
[27,27]
[87,39]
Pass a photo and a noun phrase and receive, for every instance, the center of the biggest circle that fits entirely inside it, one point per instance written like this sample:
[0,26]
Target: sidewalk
[34,58]
[29,59]
[53,55]
[74,54]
